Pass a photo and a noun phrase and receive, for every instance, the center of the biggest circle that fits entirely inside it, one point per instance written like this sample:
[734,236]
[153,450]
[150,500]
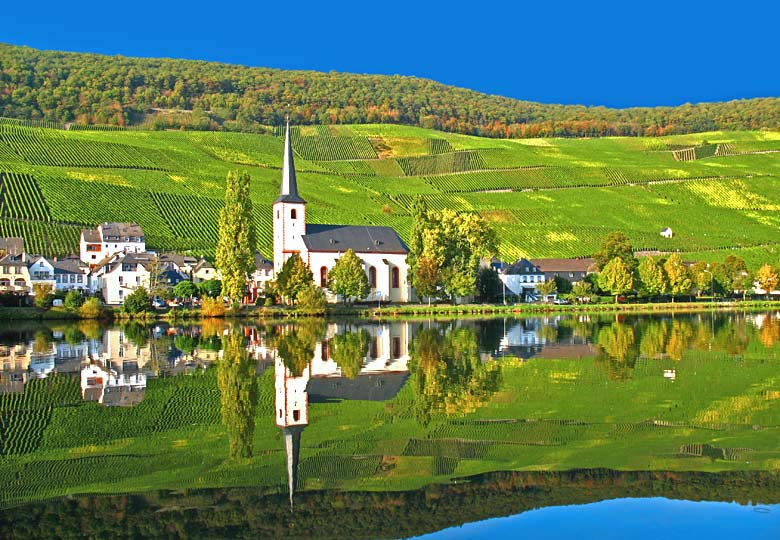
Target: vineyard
[545,197]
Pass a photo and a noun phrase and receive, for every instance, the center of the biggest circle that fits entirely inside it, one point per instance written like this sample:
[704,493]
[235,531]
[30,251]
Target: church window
[395,277]
[293,214]
[277,214]
[324,277]
[372,277]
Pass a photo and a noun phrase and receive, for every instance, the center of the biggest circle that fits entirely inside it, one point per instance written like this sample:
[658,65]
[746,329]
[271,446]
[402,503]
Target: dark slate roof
[262,262]
[67,266]
[372,387]
[12,246]
[359,238]
[123,396]
[521,266]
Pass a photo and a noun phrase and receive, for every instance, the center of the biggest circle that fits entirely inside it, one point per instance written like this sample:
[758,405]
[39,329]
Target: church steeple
[289,192]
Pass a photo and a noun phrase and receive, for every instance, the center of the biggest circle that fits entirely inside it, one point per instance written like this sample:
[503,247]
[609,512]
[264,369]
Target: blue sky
[617,54]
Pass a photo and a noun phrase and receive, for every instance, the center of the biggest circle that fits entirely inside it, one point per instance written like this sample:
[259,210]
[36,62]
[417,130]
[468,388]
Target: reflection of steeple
[292,415]
[292,447]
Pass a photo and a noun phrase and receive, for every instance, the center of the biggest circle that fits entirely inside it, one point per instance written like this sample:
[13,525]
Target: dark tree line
[89,88]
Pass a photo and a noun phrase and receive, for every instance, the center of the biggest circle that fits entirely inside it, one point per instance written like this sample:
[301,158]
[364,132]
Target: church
[380,248]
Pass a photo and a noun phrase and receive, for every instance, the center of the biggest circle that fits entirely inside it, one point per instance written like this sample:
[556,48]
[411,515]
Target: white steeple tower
[289,211]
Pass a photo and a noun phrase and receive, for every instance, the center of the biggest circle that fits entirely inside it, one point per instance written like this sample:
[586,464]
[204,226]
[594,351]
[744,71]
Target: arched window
[324,277]
[372,277]
[293,214]
[395,277]
[277,214]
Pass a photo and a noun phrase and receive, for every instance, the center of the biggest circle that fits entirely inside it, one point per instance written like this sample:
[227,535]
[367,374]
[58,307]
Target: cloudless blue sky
[617,54]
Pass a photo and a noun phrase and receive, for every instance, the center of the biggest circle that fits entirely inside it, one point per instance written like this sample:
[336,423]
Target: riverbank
[364,311]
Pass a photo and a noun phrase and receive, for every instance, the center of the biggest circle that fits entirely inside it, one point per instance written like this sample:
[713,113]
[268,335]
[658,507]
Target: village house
[110,238]
[521,277]
[14,274]
[41,272]
[380,248]
[122,273]
[572,270]
[264,272]
[203,271]
[70,273]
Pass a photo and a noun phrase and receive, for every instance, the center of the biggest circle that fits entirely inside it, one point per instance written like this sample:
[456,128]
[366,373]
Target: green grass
[546,197]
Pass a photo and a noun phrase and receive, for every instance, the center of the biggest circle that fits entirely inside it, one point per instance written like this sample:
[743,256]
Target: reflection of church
[384,372]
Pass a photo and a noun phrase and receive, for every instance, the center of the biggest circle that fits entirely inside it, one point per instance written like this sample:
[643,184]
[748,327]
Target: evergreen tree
[236,245]
[347,277]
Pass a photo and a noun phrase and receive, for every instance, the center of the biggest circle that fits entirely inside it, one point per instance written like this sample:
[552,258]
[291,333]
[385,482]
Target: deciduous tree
[236,243]
[652,277]
[679,280]
[616,244]
[347,278]
[616,278]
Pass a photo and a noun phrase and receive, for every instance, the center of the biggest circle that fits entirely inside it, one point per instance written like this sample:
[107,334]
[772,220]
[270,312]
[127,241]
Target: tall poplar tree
[236,245]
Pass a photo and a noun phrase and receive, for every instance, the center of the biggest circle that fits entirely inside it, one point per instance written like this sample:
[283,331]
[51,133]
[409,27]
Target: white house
[108,239]
[264,272]
[71,273]
[667,232]
[41,271]
[123,273]
[380,248]
[521,278]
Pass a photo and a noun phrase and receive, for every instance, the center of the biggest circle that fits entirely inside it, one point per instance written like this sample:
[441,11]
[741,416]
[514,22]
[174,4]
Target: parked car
[560,301]
[157,303]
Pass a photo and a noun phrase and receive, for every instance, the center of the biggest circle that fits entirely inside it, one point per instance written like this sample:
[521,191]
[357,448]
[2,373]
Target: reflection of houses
[113,383]
[14,361]
[538,338]
[117,345]
[383,375]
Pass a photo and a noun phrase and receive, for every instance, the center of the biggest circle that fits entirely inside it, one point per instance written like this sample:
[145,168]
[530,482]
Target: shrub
[138,301]
[212,307]
[73,300]
[43,295]
[311,299]
[91,309]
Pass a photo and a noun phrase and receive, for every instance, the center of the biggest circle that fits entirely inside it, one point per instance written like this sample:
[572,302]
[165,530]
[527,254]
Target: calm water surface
[404,428]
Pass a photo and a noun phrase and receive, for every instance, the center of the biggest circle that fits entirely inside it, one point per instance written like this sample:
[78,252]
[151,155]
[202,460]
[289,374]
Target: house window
[372,277]
[296,415]
[374,348]
[324,277]
[293,214]
[277,214]
[395,277]
[121,280]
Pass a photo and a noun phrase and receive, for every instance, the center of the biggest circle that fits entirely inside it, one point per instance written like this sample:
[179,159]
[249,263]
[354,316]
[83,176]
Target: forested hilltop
[161,93]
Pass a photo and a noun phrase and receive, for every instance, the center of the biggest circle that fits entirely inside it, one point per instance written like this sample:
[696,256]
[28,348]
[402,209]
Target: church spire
[292,447]
[289,192]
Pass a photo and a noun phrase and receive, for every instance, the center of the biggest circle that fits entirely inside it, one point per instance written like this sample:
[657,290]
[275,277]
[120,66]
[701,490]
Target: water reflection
[238,390]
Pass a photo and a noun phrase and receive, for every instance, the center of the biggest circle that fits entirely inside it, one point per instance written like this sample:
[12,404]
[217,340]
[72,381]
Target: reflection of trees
[617,347]
[295,344]
[137,334]
[238,386]
[349,351]
[653,342]
[449,375]
[733,336]
[769,333]
[42,342]
[72,335]
[680,335]
[91,329]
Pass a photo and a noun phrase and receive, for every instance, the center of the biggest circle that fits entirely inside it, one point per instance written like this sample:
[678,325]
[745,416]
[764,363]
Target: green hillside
[546,197]
[56,86]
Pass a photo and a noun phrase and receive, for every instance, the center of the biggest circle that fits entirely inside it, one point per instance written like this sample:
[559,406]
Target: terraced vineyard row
[467,160]
[41,237]
[51,148]
[20,197]
[439,146]
[334,148]
[190,217]
[90,203]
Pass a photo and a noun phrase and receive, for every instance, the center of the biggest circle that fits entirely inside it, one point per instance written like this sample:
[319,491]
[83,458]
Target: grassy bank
[394,311]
